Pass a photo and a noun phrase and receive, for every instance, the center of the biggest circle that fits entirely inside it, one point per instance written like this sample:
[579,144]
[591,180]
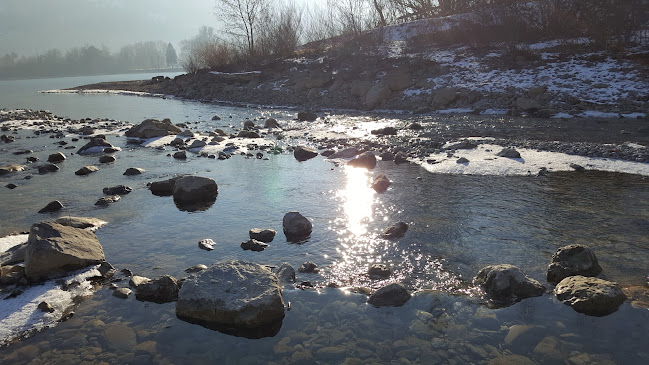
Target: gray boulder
[302,153]
[107,159]
[195,192]
[108,200]
[95,146]
[509,153]
[271,123]
[307,116]
[180,155]
[296,226]
[377,94]
[591,296]
[573,260]
[163,188]
[4,170]
[308,268]
[400,158]
[151,128]
[263,235]
[379,271]
[365,160]
[160,290]
[444,97]
[507,284]
[132,171]
[117,190]
[233,293]
[54,249]
[392,295]
[47,168]
[80,222]
[346,153]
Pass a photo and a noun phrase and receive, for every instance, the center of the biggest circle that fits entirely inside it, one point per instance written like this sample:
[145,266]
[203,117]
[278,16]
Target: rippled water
[458,224]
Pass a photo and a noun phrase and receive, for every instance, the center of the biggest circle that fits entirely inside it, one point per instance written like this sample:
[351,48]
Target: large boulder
[591,296]
[262,234]
[165,187]
[56,157]
[397,80]
[366,160]
[11,168]
[232,294]
[392,295]
[95,146]
[86,170]
[377,94]
[152,128]
[507,284]
[195,192]
[54,249]
[573,260]
[306,116]
[302,153]
[161,290]
[444,97]
[296,226]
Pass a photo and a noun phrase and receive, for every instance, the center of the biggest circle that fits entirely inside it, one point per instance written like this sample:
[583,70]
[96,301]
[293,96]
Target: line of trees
[262,29]
[90,60]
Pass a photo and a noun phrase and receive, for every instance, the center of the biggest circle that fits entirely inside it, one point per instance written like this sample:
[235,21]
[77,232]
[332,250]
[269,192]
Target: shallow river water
[458,224]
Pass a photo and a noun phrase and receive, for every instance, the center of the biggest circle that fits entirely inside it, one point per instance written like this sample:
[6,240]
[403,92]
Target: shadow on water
[269,330]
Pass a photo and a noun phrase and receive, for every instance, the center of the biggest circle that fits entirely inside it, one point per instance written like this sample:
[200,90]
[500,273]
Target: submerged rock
[285,273]
[151,128]
[302,153]
[308,268]
[395,231]
[53,206]
[573,260]
[591,296]
[232,294]
[392,295]
[54,249]
[507,284]
[379,271]
[108,200]
[296,226]
[117,190]
[160,290]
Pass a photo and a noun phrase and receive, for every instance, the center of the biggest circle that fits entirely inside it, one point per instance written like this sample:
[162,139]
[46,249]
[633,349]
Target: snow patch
[12,241]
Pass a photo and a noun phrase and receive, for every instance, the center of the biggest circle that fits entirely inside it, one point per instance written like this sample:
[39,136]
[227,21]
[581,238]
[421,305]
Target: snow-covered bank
[100,91]
[483,160]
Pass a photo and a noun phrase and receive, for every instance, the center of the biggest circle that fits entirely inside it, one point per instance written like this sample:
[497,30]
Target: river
[458,224]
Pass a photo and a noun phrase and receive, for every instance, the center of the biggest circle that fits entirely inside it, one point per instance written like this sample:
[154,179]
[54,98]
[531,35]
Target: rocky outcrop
[395,231]
[152,128]
[507,284]
[302,153]
[573,260]
[296,226]
[195,192]
[54,249]
[392,295]
[263,235]
[95,146]
[160,290]
[365,160]
[232,294]
[591,296]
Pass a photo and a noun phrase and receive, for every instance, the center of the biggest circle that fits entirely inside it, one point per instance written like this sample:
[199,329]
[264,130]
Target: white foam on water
[12,241]
[483,161]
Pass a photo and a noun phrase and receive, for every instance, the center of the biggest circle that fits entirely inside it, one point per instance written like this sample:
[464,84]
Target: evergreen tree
[172,57]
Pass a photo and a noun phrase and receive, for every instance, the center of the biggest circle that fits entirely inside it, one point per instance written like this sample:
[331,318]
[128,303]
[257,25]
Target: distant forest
[90,60]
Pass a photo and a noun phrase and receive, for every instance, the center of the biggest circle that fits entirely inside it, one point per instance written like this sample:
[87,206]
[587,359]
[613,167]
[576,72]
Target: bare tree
[242,18]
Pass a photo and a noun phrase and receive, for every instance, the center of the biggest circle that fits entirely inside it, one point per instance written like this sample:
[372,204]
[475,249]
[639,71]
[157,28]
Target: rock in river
[163,188]
[591,296]
[307,116]
[296,226]
[54,249]
[573,260]
[253,245]
[151,128]
[86,170]
[52,206]
[11,168]
[232,294]
[395,231]
[507,284]
[381,183]
[44,169]
[96,145]
[194,192]
[263,235]
[392,295]
[132,171]
[56,157]
[117,190]
[366,160]
[302,153]
[160,290]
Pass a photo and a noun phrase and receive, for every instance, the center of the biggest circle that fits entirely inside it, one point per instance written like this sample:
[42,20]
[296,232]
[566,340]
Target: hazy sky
[29,27]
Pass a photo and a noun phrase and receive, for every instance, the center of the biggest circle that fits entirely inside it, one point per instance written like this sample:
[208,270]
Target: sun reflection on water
[359,197]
